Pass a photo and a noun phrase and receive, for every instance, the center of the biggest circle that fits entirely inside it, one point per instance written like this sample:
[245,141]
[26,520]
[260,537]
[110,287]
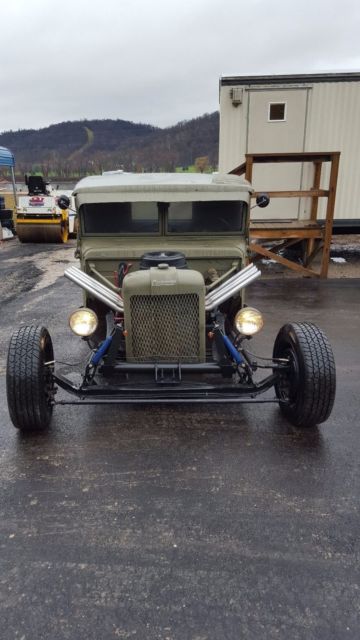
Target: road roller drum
[42,230]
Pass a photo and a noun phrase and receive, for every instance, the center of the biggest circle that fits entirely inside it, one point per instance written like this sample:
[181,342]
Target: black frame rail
[166,393]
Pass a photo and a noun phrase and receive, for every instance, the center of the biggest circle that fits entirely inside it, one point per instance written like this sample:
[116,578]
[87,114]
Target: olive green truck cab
[164,262]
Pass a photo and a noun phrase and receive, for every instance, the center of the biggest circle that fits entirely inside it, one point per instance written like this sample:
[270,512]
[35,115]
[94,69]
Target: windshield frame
[163,210]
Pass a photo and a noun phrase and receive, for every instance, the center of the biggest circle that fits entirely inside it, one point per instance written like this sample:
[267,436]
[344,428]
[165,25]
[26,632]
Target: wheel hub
[288,378]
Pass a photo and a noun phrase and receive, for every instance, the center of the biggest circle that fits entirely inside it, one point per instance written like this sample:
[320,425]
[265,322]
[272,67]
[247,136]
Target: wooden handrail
[301,156]
[322,234]
[310,193]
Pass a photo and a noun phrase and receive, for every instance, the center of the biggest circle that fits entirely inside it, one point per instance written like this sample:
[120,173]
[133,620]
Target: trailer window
[206,217]
[120,217]
[277,111]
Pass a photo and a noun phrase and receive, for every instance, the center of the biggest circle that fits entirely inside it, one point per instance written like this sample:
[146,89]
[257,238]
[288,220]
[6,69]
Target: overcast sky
[157,61]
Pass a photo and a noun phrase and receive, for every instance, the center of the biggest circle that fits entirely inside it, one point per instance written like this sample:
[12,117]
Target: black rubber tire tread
[30,347]
[315,394]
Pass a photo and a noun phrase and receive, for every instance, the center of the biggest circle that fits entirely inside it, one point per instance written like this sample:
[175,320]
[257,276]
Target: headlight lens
[83,322]
[248,321]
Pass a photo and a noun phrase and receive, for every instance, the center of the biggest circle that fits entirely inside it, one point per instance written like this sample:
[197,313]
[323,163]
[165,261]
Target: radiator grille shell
[164,316]
[165,328]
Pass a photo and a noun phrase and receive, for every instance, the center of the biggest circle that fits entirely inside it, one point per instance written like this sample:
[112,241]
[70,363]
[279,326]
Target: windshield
[143,218]
[120,217]
[205,217]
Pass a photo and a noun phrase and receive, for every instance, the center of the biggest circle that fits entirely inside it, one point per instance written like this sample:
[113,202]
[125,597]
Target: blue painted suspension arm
[101,351]
[232,350]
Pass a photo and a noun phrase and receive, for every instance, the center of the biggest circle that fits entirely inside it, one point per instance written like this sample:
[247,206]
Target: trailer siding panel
[233,131]
[332,124]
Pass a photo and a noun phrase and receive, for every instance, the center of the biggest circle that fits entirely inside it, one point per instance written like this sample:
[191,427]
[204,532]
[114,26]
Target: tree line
[75,149]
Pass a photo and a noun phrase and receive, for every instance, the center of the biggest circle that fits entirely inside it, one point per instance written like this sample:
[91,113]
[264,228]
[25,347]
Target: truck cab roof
[145,187]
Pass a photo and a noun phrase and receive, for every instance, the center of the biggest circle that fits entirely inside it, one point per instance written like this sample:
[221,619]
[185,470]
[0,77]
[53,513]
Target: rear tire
[29,382]
[306,391]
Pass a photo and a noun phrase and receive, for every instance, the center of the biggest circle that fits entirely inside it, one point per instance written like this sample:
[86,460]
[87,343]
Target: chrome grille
[165,328]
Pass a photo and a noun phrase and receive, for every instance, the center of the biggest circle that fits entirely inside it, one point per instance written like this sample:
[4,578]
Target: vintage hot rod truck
[164,260]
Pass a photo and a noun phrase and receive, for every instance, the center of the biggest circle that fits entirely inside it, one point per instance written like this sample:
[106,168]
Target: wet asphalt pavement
[188,523]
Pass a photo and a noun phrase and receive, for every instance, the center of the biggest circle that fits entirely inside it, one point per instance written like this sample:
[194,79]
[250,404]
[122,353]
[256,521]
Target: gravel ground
[344,260]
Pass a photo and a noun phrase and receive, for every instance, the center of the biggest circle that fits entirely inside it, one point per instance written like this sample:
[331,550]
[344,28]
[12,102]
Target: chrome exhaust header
[212,300]
[98,290]
[231,287]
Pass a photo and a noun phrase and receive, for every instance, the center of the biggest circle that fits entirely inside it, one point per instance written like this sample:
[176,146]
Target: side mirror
[63,202]
[262,200]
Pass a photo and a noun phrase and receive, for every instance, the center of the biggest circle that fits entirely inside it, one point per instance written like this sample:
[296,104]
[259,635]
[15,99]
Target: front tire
[306,391]
[29,382]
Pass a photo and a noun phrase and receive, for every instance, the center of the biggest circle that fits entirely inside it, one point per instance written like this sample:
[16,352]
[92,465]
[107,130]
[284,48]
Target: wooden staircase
[279,235]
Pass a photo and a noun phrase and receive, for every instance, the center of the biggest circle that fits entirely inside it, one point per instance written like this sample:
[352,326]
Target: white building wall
[332,124]
[233,131]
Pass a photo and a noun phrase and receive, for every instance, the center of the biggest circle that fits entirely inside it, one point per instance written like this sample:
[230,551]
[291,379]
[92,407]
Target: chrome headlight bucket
[248,321]
[83,322]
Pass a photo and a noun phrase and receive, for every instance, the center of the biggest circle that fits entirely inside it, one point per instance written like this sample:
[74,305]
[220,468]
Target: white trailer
[294,113]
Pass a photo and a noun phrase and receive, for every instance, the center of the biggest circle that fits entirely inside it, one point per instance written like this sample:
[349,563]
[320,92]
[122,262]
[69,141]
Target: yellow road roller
[38,216]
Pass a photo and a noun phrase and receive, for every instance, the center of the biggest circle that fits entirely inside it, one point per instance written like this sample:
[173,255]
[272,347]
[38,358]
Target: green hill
[90,146]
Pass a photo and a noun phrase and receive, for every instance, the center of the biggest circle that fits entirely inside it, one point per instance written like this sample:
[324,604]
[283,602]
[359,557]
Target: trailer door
[276,123]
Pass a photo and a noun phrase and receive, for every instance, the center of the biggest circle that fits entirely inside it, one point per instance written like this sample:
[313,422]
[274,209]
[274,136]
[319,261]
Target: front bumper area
[166,387]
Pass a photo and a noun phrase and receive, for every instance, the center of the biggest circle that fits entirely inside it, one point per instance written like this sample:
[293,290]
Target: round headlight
[248,321]
[83,322]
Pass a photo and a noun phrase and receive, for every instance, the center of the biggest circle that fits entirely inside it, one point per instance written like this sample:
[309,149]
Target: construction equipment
[6,223]
[38,217]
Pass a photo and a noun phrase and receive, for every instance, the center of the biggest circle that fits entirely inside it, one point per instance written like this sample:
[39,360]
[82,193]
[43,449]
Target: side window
[277,112]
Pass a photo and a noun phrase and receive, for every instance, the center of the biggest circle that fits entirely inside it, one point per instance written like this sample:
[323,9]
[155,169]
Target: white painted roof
[165,187]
